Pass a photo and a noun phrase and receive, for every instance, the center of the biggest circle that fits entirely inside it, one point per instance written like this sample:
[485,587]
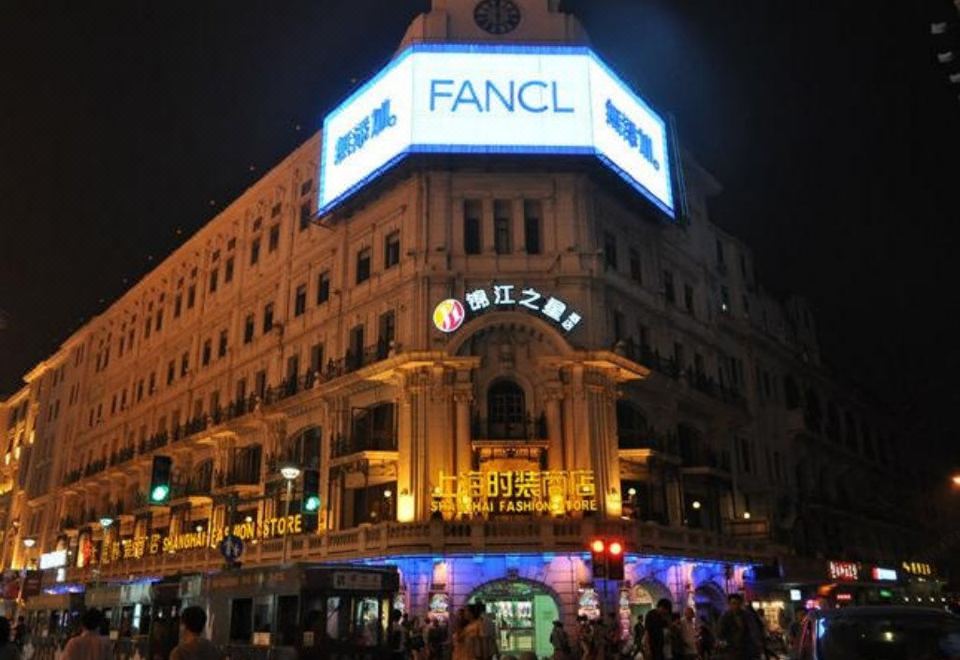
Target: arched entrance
[709,600]
[642,597]
[524,611]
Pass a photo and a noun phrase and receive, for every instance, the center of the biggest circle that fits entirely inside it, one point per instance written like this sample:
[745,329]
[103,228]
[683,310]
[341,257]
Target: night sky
[125,125]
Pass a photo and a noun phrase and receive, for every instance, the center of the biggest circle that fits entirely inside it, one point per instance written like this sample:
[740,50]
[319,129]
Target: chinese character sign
[844,571]
[449,315]
[515,492]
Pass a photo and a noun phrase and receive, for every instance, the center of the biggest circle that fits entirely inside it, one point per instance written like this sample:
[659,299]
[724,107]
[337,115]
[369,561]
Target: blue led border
[507,149]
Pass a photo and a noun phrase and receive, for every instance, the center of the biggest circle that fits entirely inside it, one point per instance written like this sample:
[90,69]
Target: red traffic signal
[607,559]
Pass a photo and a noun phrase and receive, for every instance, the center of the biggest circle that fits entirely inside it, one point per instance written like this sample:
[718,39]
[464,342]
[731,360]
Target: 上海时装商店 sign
[515,492]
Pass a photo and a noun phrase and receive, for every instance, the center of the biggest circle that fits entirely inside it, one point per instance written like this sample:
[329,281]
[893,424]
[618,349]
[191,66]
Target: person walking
[490,648]
[193,645]
[735,631]
[560,642]
[461,643]
[8,650]
[89,644]
[657,625]
[689,636]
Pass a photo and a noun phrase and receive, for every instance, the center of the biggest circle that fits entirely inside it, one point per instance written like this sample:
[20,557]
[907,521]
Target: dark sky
[830,125]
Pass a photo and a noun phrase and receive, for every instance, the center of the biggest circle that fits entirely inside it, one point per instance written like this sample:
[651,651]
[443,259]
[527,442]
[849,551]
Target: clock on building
[497,16]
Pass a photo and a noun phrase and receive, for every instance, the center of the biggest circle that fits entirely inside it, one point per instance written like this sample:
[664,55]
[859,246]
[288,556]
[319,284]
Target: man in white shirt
[689,635]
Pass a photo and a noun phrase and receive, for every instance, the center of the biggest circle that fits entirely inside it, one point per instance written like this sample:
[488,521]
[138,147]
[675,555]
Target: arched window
[506,410]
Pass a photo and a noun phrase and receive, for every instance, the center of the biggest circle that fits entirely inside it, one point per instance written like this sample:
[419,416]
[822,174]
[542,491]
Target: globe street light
[106,521]
[956,480]
[289,471]
[29,542]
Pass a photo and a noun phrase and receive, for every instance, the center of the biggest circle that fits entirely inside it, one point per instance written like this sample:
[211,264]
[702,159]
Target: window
[388,332]
[222,344]
[159,325]
[184,364]
[323,287]
[746,306]
[472,215]
[668,290]
[679,358]
[316,358]
[273,241]
[191,296]
[724,300]
[241,390]
[140,391]
[363,265]
[293,368]
[305,187]
[147,328]
[688,297]
[228,271]
[275,209]
[205,360]
[720,261]
[254,251]
[214,274]
[618,325]
[300,300]
[177,304]
[610,251]
[506,409]
[391,250]
[171,371]
[248,329]
[260,383]
[502,234]
[636,269]
[267,318]
[306,212]
[355,349]
[532,214]
[153,383]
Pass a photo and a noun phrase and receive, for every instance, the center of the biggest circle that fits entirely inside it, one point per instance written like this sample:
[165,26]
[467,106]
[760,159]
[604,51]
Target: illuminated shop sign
[141,546]
[917,568]
[450,314]
[515,491]
[843,571]
[483,99]
[55,559]
[884,574]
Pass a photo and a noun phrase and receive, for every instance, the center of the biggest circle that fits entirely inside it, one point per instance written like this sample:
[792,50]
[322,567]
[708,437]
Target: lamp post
[290,472]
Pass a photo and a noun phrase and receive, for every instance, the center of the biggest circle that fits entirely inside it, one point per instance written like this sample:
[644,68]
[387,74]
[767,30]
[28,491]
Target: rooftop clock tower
[493,21]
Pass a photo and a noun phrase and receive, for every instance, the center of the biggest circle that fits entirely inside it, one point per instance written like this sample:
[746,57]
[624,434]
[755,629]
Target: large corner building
[491,356]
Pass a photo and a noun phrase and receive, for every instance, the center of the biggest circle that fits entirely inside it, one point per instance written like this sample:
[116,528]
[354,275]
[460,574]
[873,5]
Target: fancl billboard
[471,99]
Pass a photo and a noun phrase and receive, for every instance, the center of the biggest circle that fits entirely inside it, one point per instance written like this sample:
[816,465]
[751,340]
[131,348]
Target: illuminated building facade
[489,363]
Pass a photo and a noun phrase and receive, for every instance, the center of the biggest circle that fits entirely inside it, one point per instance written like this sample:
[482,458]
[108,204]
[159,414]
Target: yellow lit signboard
[515,492]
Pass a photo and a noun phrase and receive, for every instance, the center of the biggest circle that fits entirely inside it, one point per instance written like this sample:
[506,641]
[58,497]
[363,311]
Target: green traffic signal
[159,493]
[311,504]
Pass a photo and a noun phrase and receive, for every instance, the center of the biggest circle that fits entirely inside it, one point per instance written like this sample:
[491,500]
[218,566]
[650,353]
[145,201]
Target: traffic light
[311,492]
[615,560]
[598,558]
[310,502]
[160,480]
[606,557]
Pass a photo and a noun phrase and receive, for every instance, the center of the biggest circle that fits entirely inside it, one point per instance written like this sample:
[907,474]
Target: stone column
[552,409]
[601,411]
[463,397]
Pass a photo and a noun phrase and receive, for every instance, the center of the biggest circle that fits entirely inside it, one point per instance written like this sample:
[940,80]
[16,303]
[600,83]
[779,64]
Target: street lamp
[29,542]
[106,521]
[956,479]
[289,471]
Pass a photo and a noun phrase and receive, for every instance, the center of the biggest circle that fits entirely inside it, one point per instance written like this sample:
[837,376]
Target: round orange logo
[449,315]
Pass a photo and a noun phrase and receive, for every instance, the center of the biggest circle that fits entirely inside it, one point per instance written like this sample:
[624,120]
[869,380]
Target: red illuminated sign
[844,571]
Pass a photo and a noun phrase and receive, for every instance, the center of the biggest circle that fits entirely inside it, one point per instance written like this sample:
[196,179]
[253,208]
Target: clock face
[497,16]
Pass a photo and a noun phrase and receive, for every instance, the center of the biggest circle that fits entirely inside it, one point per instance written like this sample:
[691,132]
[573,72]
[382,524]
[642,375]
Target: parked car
[881,633]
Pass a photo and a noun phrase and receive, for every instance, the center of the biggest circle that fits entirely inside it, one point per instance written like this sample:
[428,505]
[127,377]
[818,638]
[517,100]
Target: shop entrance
[524,611]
